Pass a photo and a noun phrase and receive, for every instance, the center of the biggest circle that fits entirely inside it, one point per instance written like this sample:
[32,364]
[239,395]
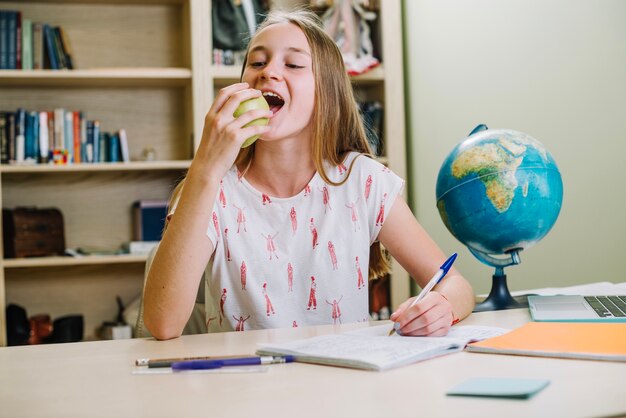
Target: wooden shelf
[131,166]
[72,261]
[227,74]
[99,77]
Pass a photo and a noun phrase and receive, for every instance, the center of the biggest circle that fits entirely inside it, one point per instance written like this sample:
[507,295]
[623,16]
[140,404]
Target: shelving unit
[145,66]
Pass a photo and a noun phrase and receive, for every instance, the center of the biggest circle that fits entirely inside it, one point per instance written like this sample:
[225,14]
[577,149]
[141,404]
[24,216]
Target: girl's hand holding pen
[430,317]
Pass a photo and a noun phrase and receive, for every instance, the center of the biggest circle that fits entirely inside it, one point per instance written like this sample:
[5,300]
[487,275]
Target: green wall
[555,69]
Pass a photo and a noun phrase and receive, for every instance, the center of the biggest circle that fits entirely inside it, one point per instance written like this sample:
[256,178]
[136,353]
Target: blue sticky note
[499,387]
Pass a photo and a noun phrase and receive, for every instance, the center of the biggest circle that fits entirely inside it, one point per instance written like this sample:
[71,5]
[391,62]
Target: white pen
[441,273]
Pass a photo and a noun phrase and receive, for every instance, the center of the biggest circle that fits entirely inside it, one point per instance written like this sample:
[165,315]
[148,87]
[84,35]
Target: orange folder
[592,341]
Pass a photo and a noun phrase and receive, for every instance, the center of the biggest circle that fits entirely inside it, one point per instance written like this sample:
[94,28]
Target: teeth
[272,94]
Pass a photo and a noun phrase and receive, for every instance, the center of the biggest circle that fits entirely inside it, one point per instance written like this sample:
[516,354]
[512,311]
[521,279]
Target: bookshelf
[145,66]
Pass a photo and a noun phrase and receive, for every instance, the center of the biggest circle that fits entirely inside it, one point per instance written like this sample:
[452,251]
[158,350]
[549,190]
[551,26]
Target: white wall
[555,69]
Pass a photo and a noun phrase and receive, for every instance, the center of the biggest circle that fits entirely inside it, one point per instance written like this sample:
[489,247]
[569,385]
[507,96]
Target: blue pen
[441,273]
[216,364]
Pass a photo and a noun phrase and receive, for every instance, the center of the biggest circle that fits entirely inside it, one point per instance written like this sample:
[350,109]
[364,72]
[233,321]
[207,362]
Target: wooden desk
[94,379]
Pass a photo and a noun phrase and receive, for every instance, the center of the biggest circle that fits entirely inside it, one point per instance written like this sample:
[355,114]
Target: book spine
[114,148]
[4,40]
[67,48]
[59,130]
[18,41]
[83,138]
[50,47]
[96,141]
[4,139]
[103,147]
[76,135]
[44,140]
[11,134]
[27,44]
[51,140]
[89,147]
[69,136]
[56,36]
[20,134]
[124,145]
[30,137]
[12,43]
[37,48]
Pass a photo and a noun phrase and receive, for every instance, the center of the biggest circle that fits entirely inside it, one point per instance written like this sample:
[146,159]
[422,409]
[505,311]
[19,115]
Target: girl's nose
[271,72]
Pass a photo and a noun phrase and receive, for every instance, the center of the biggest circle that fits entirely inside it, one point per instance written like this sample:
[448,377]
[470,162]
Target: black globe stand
[499,297]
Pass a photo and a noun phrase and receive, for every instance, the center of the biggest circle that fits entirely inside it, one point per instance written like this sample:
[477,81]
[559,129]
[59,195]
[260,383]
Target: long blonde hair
[337,125]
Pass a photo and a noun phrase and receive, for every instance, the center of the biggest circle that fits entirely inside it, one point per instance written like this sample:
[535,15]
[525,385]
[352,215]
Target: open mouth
[274,101]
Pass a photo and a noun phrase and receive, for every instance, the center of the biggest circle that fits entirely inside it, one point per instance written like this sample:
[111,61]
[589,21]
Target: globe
[499,192]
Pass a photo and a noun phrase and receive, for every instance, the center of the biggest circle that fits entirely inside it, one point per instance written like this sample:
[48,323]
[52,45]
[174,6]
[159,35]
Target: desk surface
[94,379]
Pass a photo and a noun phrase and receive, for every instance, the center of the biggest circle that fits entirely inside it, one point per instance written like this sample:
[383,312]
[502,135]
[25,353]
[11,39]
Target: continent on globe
[495,165]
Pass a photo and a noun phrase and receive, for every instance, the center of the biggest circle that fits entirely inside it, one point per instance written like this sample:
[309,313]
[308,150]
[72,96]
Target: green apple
[252,104]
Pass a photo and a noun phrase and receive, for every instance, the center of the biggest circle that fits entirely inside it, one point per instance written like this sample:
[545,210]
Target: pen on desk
[216,364]
[441,273]
[167,362]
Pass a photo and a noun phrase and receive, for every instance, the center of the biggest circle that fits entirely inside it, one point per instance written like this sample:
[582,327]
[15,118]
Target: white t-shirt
[302,260]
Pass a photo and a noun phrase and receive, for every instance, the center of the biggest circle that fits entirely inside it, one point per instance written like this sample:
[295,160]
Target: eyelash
[260,64]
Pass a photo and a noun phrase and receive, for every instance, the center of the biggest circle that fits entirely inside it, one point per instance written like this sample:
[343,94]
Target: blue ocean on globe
[499,191]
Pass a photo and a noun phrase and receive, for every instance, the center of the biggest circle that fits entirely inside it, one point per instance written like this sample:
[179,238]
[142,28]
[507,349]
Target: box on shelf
[32,232]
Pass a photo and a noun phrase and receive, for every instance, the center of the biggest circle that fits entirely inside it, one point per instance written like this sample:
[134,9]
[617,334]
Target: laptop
[577,308]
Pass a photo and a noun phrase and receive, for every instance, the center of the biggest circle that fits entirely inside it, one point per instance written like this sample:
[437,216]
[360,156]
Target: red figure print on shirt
[381,211]
[294,324]
[359,274]
[333,256]
[336,311]
[241,218]
[342,169]
[313,233]
[266,199]
[222,195]
[270,246]
[326,198]
[240,321]
[269,309]
[243,272]
[226,245]
[216,225]
[222,302]
[289,278]
[353,214]
[294,220]
[368,186]
[307,190]
[312,300]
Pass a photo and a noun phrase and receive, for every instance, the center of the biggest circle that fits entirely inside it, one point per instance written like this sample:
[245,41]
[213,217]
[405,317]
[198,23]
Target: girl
[290,203]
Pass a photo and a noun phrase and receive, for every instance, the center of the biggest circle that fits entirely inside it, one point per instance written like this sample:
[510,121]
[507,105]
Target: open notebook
[371,349]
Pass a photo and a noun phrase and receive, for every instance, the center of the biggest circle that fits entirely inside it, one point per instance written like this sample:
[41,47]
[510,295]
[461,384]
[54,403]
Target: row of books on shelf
[28,45]
[60,137]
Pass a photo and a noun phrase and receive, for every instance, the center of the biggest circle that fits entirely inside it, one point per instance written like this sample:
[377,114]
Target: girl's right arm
[185,249]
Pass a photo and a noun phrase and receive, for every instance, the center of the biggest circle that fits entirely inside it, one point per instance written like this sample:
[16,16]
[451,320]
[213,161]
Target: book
[37,47]
[27,44]
[67,48]
[4,39]
[591,341]
[50,48]
[20,135]
[44,140]
[124,145]
[4,139]
[372,349]
[11,34]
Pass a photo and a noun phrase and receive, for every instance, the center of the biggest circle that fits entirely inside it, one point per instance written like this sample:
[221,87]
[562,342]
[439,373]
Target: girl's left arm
[451,300]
